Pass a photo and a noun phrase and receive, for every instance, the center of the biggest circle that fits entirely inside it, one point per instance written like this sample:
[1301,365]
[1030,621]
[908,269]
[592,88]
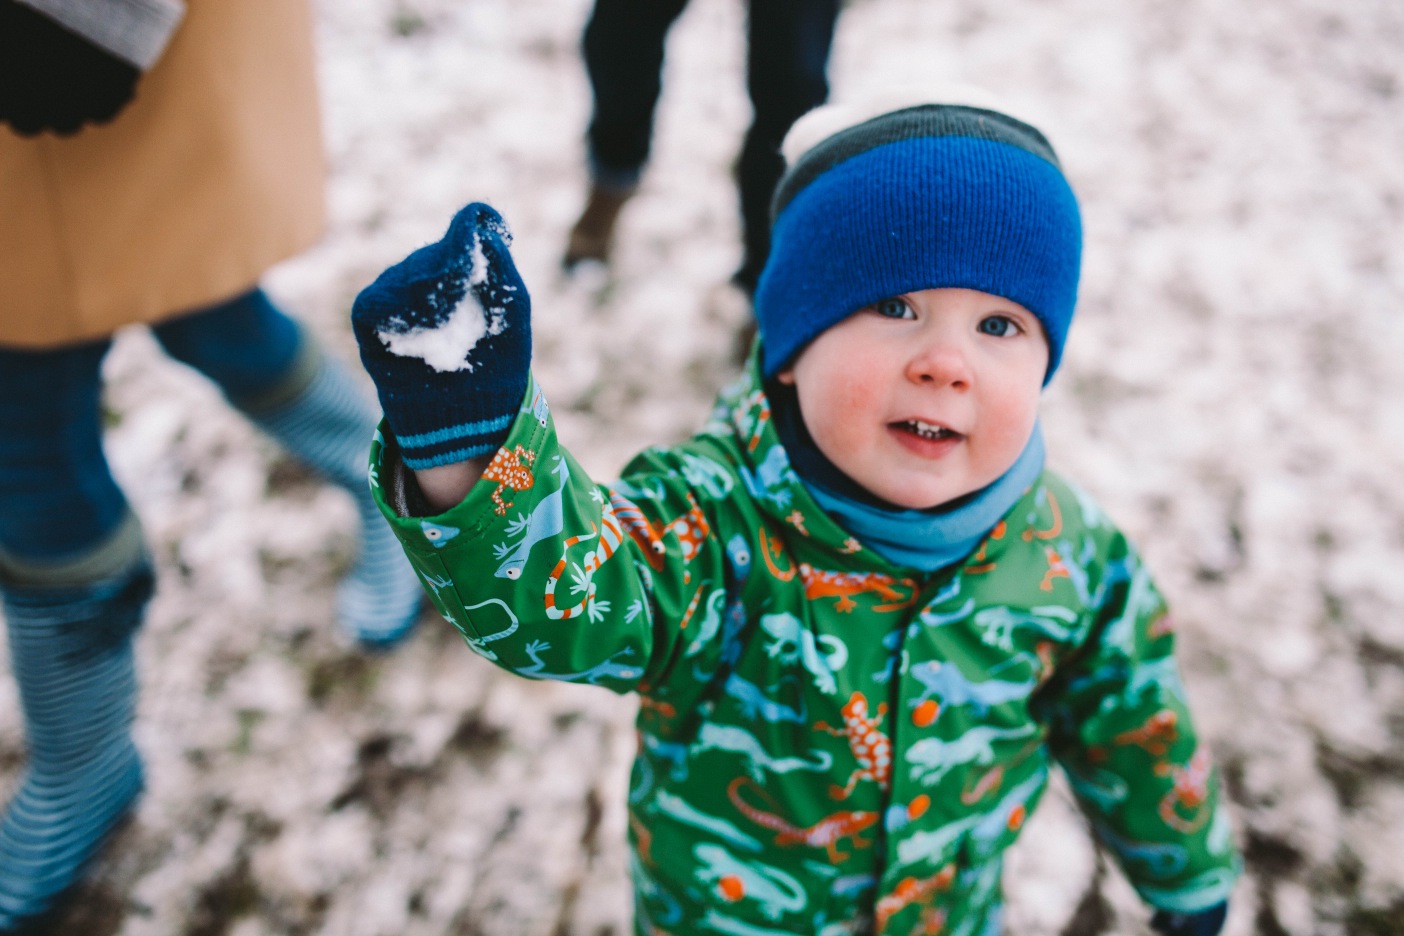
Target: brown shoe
[593,234]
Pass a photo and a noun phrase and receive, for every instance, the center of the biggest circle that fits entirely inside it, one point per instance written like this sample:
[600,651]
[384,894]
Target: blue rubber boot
[328,425]
[71,651]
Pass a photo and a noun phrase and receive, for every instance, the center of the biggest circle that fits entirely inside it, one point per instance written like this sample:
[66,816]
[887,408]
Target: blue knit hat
[923,197]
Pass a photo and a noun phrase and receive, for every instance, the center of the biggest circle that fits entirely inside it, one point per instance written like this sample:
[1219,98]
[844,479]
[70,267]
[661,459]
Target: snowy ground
[1231,393]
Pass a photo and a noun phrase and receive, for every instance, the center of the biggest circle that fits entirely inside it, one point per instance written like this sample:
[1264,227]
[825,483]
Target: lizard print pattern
[844,585]
[746,619]
[827,833]
[871,748]
[510,470]
[609,535]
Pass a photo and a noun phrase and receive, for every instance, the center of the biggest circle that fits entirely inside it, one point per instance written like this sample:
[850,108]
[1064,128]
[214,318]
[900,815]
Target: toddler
[861,618]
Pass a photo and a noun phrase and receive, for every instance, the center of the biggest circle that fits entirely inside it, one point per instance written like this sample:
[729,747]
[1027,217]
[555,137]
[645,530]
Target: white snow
[446,346]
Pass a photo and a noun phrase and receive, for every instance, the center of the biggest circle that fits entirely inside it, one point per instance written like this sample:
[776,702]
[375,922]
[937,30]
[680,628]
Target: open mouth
[926,430]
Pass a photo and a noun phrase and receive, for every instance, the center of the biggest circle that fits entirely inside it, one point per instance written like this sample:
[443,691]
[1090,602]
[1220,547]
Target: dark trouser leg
[274,373]
[786,75]
[623,47]
[75,583]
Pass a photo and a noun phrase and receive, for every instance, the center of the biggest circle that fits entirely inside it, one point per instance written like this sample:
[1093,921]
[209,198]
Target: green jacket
[830,743]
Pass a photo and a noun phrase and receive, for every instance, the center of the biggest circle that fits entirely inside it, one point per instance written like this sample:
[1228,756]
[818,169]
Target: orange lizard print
[1156,735]
[761,404]
[981,555]
[609,541]
[770,549]
[988,782]
[552,611]
[796,520]
[643,836]
[649,538]
[1162,626]
[991,780]
[1055,529]
[910,891]
[871,748]
[825,834]
[509,470]
[1017,816]
[1057,568]
[691,529]
[649,704]
[1044,649]
[932,922]
[1182,809]
[843,585]
[692,607]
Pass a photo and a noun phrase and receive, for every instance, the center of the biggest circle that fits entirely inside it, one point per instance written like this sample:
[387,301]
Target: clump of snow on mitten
[445,345]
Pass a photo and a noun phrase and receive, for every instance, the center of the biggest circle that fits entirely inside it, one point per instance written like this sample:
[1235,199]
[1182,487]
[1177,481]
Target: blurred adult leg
[274,372]
[786,75]
[623,46]
[75,583]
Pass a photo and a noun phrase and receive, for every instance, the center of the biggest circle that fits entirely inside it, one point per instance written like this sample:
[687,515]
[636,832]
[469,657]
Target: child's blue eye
[997,325]
[893,308]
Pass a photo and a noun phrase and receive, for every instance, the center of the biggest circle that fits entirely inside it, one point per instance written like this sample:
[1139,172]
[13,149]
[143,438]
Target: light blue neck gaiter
[921,539]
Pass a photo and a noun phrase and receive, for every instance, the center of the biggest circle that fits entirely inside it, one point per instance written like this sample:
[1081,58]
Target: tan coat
[212,174]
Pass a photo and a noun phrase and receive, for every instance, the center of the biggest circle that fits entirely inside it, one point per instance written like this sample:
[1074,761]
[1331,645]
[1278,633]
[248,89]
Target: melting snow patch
[445,346]
[477,274]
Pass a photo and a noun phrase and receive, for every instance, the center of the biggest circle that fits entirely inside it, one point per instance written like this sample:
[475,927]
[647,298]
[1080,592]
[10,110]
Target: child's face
[924,397]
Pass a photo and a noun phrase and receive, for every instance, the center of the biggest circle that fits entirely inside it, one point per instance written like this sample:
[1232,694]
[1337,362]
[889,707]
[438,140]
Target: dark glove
[1201,923]
[52,79]
[446,336]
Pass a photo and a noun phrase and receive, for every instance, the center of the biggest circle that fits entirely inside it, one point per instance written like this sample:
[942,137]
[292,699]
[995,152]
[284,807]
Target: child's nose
[940,362]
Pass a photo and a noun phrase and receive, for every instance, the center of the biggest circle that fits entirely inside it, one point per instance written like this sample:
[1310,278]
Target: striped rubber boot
[71,651]
[328,425]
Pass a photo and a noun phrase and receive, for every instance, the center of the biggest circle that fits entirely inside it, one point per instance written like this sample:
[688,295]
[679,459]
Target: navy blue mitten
[446,336]
[1201,923]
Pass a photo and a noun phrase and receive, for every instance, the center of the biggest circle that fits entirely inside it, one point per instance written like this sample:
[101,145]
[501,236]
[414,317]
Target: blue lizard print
[756,704]
[932,758]
[713,737]
[606,670]
[999,624]
[437,534]
[1159,860]
[794,643]
[674,752]
[707,475]
[949,685]
[546,521]
[772,479]
[538,407]
[733,620]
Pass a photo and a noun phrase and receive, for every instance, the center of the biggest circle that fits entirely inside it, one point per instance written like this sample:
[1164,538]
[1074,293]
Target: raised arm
[446,336]
[544,572]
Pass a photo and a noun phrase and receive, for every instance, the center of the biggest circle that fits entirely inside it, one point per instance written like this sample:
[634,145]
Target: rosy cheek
[1016,420]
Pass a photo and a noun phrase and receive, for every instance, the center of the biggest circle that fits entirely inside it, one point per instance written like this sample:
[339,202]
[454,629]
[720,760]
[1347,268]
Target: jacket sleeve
[135,31]
[551,576]
[1121,728]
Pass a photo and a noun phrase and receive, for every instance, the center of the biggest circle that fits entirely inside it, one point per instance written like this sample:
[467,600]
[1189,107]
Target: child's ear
[786,376]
